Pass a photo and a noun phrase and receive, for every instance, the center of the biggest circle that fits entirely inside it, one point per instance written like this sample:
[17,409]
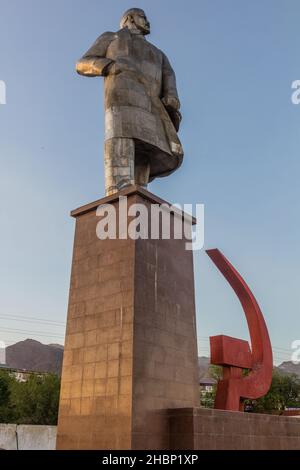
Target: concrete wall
[8,438]
[27,437]
[189,428]
[201,428]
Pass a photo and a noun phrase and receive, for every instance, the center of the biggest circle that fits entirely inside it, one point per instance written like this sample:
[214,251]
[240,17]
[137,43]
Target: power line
[37,333]
[30,319]
[204,339]
[282,353]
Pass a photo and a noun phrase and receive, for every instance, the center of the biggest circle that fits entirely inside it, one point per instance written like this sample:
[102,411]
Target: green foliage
[207,399]
[5,391]
[32,402]
[4,387]
[215,372]
[284,393]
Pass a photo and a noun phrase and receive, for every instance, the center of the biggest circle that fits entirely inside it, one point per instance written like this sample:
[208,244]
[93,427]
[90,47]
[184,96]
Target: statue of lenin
[141,104]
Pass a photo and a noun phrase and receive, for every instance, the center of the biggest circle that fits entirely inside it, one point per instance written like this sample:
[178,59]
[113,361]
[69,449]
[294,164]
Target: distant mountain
[285,368]
[203,366]
[33,355]
[288,367]
[59,346]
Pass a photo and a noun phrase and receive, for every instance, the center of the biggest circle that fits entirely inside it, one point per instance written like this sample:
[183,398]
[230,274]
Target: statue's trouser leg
[118,164]
[121,167]
[141,171]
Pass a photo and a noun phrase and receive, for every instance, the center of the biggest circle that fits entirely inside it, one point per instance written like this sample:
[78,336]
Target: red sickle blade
[232,390]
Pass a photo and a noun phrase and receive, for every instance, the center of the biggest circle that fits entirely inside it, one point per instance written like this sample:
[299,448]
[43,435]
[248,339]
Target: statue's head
[135,18]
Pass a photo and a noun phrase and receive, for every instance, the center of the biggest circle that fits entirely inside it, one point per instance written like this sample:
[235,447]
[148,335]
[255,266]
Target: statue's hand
[118,66]
[176,119]
[171,102]
[110,69]
[172,106]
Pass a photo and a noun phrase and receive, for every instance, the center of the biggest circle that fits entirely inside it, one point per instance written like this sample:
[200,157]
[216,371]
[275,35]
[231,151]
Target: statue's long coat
[133,93]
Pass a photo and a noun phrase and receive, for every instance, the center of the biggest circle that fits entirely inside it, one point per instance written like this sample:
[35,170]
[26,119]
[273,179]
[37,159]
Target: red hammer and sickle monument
[235,354]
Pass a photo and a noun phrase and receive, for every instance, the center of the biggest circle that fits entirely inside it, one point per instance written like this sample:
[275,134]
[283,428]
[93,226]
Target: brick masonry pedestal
[131,349]
[204,429]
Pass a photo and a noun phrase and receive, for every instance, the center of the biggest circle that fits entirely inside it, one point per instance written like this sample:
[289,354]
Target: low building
[21,375]
[207,385]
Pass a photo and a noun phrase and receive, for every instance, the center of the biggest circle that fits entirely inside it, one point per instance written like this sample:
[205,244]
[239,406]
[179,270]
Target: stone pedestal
[130,352]
[205,429]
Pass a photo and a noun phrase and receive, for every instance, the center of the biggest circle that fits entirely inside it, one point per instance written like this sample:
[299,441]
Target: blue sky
[235,62]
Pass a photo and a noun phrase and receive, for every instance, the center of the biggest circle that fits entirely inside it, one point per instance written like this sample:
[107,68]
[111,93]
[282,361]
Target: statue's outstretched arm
[94,62]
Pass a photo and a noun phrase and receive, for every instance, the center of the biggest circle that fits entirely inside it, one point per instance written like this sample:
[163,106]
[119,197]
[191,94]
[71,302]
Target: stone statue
[141,104]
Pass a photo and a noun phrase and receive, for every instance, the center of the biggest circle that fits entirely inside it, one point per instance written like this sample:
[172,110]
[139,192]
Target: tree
[5,392]
[36,401]
[215,372]
[4,388]
[284,393]
[32,402]
[207,399]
